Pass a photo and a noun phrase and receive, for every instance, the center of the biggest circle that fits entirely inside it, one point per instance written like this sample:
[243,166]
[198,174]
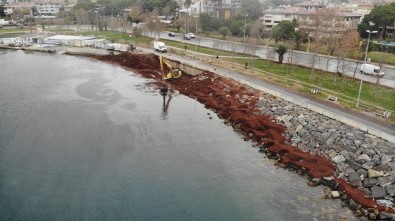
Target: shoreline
[266,121]
[352,163]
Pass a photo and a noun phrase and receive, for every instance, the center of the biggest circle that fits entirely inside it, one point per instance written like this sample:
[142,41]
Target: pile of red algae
[237,105]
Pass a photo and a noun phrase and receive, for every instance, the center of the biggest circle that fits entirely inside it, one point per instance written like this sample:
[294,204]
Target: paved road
[349,67]
[351,117]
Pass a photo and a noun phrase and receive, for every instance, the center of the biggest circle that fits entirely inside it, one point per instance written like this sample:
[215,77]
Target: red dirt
[237,104]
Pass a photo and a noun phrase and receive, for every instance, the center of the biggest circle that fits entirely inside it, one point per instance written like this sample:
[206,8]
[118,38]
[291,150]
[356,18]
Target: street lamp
[244,31]
[196,18]
[308,40]
[364,66]
[97,23]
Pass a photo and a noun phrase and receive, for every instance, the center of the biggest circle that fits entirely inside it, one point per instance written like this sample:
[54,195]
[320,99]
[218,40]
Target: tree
[85,4]
[281,50]
[252,8]
[382,16]
[135,15]
[257,30]
[236,27]
[205,20]
[178,22]
[276,34]
[187,3]
[287,30]
[348,47]
[224,31]
[2,13]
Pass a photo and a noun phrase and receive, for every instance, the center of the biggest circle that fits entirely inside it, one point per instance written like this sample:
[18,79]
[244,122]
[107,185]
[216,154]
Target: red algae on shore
[237,104]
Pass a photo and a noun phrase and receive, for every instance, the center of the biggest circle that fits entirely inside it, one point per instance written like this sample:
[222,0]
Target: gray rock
[385,181]
[353,176]
[352,205]
[386,203]
[330,141]
[378,192]
[384,168]
[385,216]
[369,151]
[385,159]
[344,153]
[390,190]
[346,142]
[376,159]
[364,191]
[356,183]
[362,172]
[357,143]
[354,164]
[369,182]
[350,148]
[367,165]
[338,159]
[364,158]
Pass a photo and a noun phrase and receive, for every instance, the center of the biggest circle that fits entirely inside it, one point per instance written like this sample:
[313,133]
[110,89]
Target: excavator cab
[173,73]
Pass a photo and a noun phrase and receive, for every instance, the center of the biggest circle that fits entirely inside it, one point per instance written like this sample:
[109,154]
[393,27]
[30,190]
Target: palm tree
[281,50]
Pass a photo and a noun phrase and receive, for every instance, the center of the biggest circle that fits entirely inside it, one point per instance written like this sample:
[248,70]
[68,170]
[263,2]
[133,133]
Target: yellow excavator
[173,73]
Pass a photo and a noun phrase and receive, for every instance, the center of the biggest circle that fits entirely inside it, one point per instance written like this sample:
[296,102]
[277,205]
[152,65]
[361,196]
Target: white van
[160,46]
[371,69]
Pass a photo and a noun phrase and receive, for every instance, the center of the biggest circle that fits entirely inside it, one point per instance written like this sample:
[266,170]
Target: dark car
[171,34]
[1,26]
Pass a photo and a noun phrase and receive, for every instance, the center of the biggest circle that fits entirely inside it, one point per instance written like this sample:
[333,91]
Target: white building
[48,7]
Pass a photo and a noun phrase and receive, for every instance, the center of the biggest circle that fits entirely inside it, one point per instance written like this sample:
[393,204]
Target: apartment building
[272,17]
[10,8]
[48,8]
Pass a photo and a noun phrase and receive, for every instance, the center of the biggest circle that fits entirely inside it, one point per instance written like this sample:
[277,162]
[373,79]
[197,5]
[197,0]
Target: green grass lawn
[16,30]
[347,88]
[382,57]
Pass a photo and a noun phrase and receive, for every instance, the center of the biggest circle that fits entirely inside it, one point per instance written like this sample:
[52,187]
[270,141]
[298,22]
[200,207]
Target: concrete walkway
[358,120]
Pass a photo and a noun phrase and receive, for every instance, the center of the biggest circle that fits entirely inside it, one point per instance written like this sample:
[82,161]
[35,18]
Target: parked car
[371,69]
[171,34]
[192,35]
[1,26]
[187,37]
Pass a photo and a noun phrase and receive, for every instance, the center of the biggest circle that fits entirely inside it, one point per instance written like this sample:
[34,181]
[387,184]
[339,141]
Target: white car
[192,35]
[371,69]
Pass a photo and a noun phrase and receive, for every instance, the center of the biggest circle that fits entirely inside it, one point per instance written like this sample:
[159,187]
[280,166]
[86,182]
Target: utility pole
[97,24]
[364,66]
[244,31]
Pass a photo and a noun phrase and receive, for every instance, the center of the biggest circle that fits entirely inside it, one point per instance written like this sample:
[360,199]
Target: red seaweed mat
[237,104]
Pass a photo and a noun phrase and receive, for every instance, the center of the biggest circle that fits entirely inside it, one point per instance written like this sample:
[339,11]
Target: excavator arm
[173,73]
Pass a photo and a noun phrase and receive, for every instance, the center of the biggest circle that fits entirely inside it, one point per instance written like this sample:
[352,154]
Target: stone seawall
[365,160]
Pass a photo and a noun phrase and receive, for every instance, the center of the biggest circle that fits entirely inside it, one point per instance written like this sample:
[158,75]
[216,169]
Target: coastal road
[351,117]
[329,63]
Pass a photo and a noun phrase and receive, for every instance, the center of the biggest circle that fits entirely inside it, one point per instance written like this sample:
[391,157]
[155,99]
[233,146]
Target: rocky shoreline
[364,160]
[353,165]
